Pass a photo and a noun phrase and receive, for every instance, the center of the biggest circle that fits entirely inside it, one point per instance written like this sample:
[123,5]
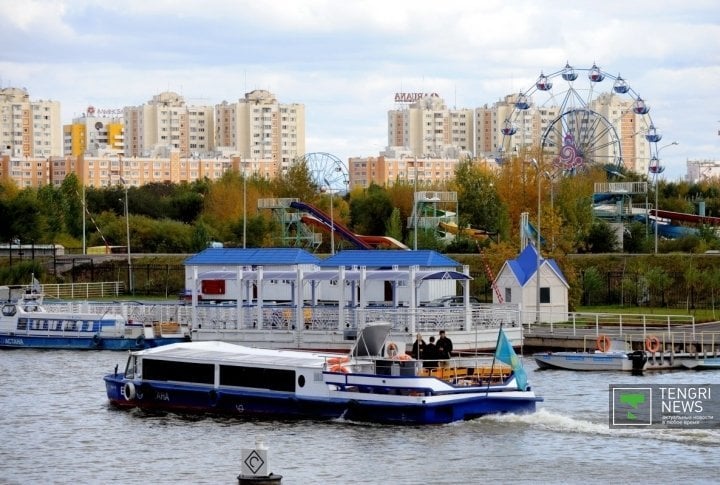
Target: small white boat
[614,355]
[373,383]
[707,363]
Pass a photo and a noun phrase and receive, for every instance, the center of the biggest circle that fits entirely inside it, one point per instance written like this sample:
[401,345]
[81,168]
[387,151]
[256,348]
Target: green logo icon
[634,400]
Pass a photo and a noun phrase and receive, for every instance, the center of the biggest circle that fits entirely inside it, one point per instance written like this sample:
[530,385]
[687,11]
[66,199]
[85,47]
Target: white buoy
[254,465]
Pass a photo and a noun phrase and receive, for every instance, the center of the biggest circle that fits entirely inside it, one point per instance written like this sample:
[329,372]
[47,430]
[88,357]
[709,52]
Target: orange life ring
[392,349]
[339,368]
[603,343]
[652,344]
[338,360]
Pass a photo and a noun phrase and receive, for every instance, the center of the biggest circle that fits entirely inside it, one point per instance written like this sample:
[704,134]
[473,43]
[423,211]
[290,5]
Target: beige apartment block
[166,124]
[29,128]
[428,128]
[258,127]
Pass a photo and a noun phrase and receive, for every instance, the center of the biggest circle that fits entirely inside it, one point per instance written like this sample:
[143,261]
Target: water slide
[320,219]
[452,228]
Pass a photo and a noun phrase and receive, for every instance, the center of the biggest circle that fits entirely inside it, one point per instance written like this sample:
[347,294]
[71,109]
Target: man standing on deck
[443,346]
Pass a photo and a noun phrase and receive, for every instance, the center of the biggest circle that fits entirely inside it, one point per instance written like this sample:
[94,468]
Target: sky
[345,60]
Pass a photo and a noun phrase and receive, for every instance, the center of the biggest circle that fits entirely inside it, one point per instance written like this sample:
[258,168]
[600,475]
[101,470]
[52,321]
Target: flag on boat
[504,352]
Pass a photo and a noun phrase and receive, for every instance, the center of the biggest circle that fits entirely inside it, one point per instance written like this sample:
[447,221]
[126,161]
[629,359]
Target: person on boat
[444,346]
[418,348]
[430,353]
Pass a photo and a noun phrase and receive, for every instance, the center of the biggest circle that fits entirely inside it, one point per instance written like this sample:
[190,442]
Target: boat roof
[213,351]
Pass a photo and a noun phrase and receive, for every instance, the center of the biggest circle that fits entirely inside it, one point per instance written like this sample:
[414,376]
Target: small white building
[518,283]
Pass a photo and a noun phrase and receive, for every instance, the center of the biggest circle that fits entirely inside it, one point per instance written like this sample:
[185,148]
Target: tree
[658,280]
[394,228]
[592,284]
[602,239]
[370,212]
[479,204]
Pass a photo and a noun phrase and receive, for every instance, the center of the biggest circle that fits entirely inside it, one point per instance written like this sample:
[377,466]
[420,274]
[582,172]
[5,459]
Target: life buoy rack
[392,350]
[129,391]
[652,344]
[603,342]
[339,368]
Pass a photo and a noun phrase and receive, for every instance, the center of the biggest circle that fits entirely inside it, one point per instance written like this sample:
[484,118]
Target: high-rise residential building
[258,127]
[29,128]
[427,127]
[389,169]
[94,135]
[166,125]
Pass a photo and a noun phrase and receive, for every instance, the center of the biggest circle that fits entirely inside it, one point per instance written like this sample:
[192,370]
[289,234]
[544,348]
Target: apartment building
[428,128]
[29,128]
[386,170]
[94,135]
[258,127]
[166,124]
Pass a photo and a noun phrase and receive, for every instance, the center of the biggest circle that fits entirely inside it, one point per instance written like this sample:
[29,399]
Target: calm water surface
[56,427]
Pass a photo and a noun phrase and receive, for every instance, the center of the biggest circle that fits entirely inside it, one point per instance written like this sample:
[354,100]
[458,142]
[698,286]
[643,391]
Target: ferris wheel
[328,172]
[580,119]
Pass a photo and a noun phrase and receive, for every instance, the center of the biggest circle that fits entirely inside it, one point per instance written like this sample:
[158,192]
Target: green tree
[370,212]
[658,280]
[592,284]
[602,239]
[394,228]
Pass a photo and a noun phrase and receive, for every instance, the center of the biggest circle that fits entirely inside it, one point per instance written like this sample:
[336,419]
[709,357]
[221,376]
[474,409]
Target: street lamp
[332,220]
[244,206]
[127,231]
[538,258]
[657,169]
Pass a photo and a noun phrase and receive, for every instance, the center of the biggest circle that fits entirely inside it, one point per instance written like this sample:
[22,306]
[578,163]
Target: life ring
[603,343]
[392,350]
[339,368]
[338,360]
[129,391]
[652,344]
[96,339]
[140,341]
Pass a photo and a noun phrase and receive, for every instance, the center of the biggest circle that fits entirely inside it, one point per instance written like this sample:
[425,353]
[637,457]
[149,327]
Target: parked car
[450,301]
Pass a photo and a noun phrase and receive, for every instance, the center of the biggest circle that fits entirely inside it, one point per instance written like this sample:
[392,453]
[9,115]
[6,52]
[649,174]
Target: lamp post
[538,258]
[244,206]
[657,169]
[332,219]
[127,232]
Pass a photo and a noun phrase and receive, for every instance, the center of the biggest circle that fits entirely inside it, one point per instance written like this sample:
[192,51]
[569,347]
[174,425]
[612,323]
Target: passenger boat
[26,323]
[373,383]
[612,355]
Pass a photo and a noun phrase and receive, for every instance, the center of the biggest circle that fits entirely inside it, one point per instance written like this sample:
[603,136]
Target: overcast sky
[345,59]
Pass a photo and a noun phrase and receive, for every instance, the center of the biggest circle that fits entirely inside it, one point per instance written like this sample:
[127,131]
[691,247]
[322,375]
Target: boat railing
[582,323]
[704,343]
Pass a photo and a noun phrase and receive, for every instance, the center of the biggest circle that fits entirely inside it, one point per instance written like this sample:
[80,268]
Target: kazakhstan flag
[504,352]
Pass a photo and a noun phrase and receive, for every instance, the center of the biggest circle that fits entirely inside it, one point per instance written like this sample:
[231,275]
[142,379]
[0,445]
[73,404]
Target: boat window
[162,370]
[130,367]
[257,377]
[22,324]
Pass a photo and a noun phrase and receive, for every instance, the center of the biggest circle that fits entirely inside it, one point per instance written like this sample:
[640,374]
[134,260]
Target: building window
[508,295]
[544,295]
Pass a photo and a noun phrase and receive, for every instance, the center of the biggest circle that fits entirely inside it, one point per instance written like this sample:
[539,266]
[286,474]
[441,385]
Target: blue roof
[386,259]
[252,256]
[524,266]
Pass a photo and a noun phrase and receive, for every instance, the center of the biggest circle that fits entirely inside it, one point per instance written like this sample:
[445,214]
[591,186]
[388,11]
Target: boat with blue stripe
[372,383]
[25,323]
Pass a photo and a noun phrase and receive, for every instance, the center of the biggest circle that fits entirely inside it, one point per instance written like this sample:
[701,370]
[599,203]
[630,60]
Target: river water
[56,427]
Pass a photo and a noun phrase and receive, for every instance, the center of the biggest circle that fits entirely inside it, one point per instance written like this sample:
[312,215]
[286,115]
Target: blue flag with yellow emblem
[504,352]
